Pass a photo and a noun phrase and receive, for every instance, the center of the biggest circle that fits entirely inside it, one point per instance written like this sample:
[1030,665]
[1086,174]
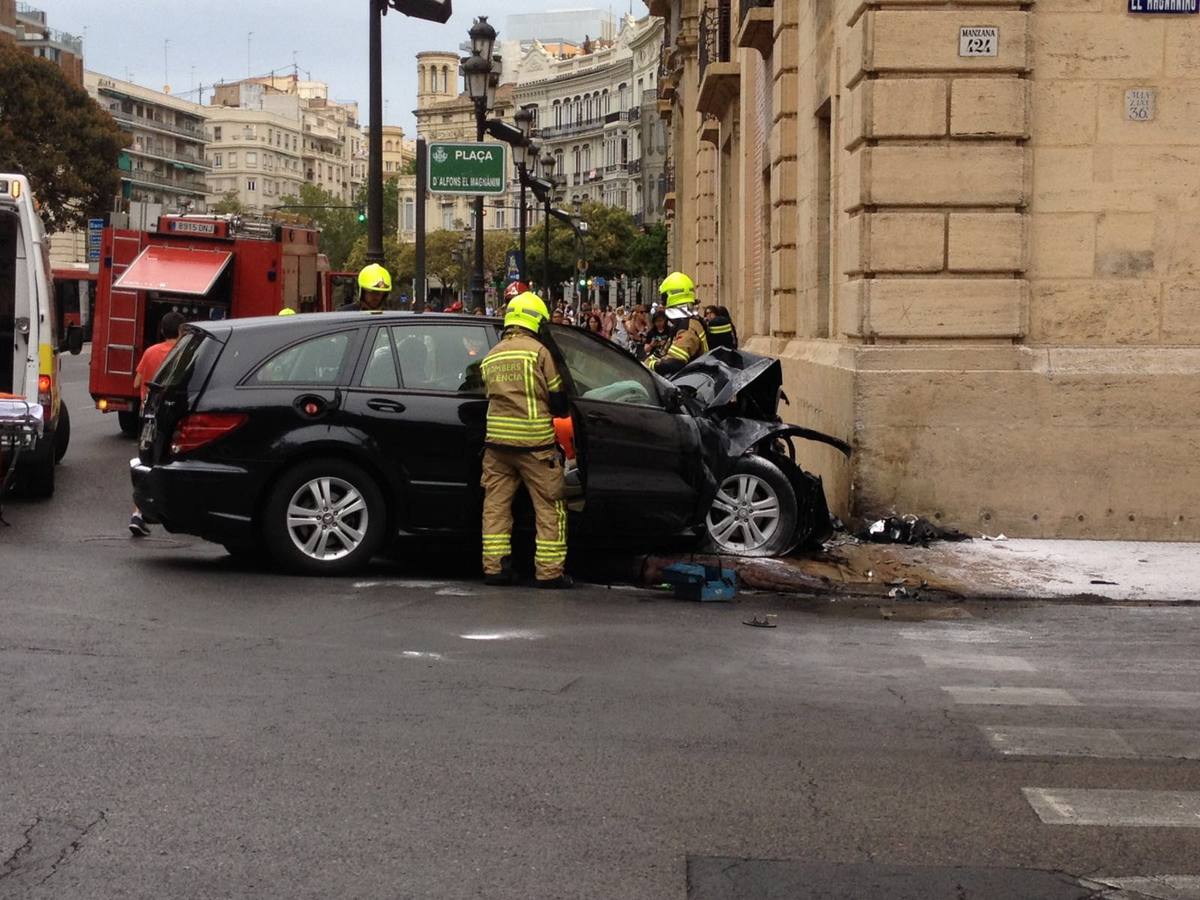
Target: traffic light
[362,215]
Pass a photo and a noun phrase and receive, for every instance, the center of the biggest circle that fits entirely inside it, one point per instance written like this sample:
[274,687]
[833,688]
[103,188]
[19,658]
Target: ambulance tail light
[45,391]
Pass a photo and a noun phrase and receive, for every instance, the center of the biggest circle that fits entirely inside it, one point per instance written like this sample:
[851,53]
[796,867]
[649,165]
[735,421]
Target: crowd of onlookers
[640,330]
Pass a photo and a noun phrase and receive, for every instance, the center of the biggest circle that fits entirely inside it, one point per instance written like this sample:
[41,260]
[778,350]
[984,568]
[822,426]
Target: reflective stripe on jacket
[519,375]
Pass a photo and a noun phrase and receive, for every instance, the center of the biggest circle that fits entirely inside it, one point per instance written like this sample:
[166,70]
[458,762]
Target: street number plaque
[979,40]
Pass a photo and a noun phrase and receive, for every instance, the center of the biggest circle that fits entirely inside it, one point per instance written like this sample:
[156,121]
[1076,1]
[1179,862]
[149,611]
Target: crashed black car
[321,438]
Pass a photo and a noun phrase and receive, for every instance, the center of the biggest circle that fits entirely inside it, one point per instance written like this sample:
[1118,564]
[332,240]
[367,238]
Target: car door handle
[385,405]
[599,418]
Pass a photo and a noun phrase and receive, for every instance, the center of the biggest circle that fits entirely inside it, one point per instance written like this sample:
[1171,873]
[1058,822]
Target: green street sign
[468,168]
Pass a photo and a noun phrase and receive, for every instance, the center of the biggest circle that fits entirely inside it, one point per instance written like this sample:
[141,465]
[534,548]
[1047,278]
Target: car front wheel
[754,511]
[324,517]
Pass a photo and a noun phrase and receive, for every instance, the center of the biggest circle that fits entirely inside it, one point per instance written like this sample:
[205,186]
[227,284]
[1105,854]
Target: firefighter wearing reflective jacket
[689,338]
[525,393]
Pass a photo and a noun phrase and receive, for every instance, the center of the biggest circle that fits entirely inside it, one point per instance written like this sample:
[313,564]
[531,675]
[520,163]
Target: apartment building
[164,168]
[398,151]
[597,114]
[290,128]
[26,26]
[965,229]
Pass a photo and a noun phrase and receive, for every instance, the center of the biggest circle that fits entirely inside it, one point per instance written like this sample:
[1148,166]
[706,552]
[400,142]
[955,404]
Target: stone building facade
[965,229]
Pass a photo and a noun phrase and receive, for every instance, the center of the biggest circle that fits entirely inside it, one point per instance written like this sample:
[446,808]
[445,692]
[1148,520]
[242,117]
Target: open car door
[640,461]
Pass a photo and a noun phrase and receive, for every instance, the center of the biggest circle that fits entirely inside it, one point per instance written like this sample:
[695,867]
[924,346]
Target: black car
[322,437]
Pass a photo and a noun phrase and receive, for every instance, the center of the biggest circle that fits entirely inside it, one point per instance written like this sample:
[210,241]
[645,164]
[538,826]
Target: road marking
[1114,808]
[964,634]
[416,585]
[1011,696]
[1026,740]
[455,592]
[1158,887]
[517,635]
[421,654]
[1141,699]
[979,661]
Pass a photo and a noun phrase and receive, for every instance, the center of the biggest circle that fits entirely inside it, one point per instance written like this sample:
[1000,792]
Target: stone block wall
[1115,202]
[938,176]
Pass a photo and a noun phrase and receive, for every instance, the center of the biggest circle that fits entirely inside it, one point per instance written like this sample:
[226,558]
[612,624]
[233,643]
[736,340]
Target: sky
[327,39]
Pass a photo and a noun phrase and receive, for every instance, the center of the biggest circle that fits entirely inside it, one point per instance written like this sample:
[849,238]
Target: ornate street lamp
[483,38]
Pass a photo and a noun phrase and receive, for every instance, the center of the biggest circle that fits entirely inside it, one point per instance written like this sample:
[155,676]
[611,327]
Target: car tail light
[45,394]
[199,429]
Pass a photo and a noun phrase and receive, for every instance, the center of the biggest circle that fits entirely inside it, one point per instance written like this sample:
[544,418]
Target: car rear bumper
[205,499]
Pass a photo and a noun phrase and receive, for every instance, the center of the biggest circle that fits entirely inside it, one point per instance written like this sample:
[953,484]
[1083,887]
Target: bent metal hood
[727,378]
[741,391]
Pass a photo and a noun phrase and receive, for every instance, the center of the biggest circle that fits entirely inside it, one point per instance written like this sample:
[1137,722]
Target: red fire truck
[206,267]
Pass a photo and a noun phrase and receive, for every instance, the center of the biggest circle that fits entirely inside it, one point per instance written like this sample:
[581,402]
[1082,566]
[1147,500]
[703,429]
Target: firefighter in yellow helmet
[374,285]
[689,338]
[525,393]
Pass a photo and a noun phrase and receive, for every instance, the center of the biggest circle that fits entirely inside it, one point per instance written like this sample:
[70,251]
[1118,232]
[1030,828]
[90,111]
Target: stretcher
[21,427]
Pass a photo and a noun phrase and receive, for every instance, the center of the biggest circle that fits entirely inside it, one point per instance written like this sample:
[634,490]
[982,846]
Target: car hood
[734,382]
[736,394]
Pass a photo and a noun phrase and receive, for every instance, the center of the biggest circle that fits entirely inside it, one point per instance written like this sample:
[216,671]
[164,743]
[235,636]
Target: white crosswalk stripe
[981,662]
[1018,740]
[1121,808]
[1155,887]
[1011,696]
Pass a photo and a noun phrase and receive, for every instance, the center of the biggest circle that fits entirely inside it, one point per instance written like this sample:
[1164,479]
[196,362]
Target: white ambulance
[34,424]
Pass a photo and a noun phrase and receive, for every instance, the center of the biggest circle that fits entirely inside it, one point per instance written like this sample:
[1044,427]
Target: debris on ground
[697,581]
[908,530]
[763,622]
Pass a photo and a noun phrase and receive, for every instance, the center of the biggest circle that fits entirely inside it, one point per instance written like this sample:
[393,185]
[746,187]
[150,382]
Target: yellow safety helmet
[526,310]
[680,290]
[375,278]
[286,311]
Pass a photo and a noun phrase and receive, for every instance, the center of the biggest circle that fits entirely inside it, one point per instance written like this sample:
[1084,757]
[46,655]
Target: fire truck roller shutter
[174,270]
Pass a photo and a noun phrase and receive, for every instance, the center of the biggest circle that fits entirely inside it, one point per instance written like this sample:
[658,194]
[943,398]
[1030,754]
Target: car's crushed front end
[734,396]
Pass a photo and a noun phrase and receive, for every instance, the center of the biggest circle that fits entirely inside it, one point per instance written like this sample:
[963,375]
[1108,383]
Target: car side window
[318,360]
[381,364]
[441,357]
[603,372]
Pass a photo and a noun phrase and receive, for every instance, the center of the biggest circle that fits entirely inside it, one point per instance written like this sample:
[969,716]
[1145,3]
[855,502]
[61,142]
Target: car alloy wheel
[327,518]
[745,515]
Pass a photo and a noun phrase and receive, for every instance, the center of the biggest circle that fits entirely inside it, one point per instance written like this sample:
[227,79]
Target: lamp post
[547,170]
[477,72]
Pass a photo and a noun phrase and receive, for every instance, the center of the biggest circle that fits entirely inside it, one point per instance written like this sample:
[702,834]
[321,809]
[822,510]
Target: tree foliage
[56,135]
[229,204]
[648,253]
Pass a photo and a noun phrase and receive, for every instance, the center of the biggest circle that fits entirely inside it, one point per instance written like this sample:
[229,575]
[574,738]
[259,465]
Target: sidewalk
[1013,569]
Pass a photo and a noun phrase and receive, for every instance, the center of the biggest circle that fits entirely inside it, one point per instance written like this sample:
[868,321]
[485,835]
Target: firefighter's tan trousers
[542,474]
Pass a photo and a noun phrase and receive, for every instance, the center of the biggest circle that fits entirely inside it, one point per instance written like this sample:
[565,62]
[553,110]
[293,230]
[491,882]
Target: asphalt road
[174,725]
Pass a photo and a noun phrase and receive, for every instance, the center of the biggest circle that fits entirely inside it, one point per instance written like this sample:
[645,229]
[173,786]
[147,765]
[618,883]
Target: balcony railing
[27,11]
[189,185]
[163,153]
[747,5]
[120,115]
[714,35]
[635,167]
[622,115]
[554,131]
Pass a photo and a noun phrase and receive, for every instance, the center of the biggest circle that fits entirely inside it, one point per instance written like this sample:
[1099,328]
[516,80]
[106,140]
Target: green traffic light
[362,215]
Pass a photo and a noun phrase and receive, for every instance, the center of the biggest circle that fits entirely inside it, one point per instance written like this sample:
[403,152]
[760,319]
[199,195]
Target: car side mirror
[73,342]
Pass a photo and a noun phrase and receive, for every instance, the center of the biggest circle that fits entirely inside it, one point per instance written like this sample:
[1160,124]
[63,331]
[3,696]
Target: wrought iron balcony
[715,26]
